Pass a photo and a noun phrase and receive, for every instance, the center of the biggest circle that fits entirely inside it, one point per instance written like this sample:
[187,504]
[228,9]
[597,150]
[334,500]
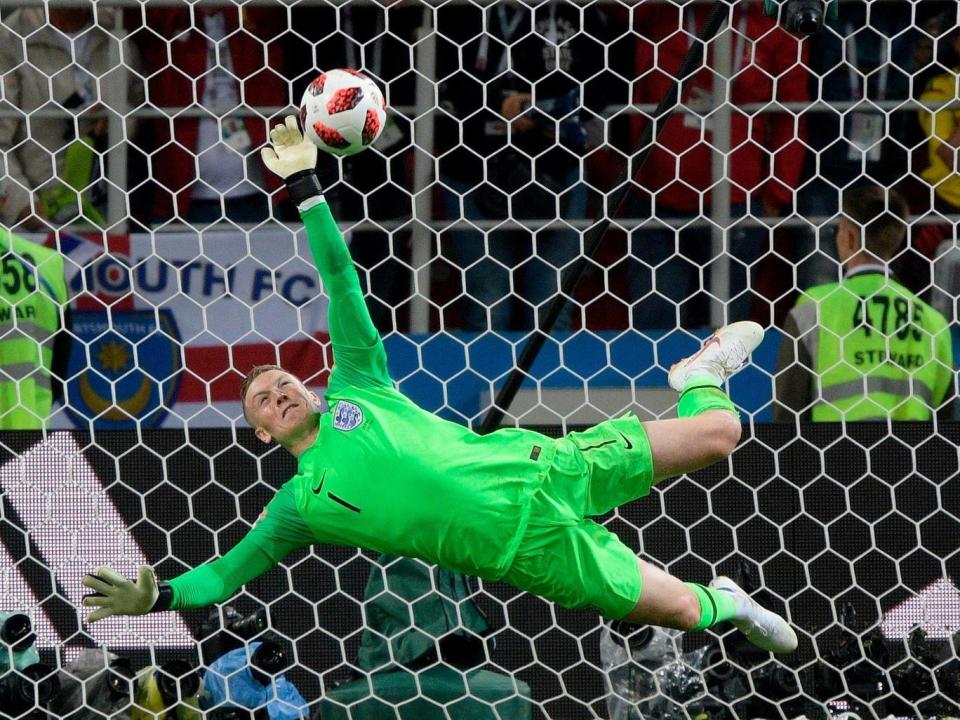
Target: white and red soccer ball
[342,111]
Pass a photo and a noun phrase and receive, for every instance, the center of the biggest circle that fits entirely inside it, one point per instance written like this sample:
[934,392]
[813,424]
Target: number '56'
[16,273]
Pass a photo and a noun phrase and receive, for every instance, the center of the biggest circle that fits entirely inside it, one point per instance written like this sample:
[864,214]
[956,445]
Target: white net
[130,136]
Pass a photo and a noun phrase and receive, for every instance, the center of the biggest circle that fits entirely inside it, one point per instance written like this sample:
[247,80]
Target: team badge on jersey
[347,416]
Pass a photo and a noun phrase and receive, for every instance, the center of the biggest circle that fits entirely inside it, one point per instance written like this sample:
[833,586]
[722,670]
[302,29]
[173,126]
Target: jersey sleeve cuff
[304,186]
[164,598]
[310,203]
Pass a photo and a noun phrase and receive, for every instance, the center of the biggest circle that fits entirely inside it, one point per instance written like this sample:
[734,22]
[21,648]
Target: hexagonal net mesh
[150,260]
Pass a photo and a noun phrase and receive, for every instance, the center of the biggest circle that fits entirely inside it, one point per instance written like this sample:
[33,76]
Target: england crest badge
[347,416]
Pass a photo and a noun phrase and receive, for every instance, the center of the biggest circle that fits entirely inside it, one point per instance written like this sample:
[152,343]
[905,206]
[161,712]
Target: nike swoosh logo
[316,490]
[598,445]
[626,443]
[712,340]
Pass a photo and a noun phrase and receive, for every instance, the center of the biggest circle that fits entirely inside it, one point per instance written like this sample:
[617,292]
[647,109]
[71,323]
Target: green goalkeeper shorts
[567,558]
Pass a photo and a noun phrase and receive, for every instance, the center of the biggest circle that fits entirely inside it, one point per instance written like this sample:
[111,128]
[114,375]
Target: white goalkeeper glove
[291,152]
[116,595]
[294,158]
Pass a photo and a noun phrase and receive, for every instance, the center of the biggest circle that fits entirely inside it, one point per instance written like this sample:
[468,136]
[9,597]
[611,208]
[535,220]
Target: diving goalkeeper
[378,472]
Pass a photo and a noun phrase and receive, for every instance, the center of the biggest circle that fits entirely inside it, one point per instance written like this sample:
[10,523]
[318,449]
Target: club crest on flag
[347,416]
[124,370]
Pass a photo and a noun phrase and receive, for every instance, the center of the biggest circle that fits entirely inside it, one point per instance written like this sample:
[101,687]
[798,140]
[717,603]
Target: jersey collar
[869,269]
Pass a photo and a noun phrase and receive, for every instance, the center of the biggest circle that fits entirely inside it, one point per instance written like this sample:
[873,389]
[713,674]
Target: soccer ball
[342,112]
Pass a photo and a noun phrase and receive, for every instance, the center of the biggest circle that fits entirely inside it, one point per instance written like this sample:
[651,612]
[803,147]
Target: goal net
[147,262]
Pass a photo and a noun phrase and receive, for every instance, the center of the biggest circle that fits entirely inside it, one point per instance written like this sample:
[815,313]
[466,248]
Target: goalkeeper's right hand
[294,158]
[116,595]
[291,152]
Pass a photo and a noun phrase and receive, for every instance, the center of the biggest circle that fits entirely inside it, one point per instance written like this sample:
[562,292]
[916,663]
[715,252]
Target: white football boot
[764,628]
[722,354]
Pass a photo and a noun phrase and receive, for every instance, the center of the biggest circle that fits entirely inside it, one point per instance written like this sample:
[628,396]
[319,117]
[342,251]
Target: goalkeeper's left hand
[291,152]
[116,595]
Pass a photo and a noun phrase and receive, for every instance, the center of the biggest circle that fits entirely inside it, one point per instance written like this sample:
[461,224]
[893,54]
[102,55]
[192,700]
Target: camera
[94,685]
[172,684]
[221,634]
[801,17]
[244,682]
[16,632]
[267,661]
[16,642]
[29,688]
[243,627]
[249,626]
[176,680]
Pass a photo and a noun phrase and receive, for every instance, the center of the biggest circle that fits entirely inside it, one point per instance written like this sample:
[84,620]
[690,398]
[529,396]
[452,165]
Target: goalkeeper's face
[279,407]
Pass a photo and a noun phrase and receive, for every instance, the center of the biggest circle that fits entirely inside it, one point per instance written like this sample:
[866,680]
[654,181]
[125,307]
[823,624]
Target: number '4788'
[888,315]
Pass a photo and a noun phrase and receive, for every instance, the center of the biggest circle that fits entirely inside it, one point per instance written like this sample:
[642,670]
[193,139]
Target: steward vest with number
[33,293]
[878,350]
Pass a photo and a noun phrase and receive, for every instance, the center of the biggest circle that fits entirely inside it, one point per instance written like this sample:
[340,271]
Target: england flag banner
[165,326]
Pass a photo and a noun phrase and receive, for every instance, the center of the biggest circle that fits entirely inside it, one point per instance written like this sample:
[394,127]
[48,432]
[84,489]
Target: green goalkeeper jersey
[383,474]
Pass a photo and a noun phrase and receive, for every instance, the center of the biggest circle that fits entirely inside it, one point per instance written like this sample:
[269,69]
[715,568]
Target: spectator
[250,677]
[763,166]
[940,121]
[66,62]
[866,61]
[931,29]
[372,185]
[512,95]
[865,348]
[941,124]
[33,350]
[227,62]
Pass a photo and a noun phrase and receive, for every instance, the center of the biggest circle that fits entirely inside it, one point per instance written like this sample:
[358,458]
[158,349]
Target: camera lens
[251,625]
[803,17]
[33,687]
[17,632]
[119,678]
[173,675]
[267,660]
[806,22]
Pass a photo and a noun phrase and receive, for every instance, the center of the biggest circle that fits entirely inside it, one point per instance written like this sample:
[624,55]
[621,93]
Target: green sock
[716,606]
[701,395]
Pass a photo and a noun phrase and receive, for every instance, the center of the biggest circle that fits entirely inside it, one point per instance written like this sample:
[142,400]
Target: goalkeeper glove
[294,158]
[115,595]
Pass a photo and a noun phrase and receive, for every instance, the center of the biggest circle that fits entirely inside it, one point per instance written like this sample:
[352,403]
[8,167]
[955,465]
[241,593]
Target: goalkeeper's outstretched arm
[294,158]
[210,583]
[278,532]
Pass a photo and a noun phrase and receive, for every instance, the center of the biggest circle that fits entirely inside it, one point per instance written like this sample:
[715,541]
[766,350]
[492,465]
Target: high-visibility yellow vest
[33,296]
[878,350]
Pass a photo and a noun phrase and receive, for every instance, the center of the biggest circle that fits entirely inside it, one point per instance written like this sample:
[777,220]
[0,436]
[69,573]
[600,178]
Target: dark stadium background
[807,518]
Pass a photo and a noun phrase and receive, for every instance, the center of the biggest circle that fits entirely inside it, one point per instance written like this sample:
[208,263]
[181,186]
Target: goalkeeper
[378,472]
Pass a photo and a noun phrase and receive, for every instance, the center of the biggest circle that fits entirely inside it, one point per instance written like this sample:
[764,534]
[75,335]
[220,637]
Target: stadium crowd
[220,76]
